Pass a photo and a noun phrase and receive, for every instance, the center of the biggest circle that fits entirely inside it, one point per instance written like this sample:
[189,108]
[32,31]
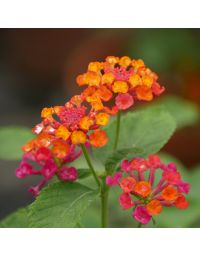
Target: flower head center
[121,74]
[72,116]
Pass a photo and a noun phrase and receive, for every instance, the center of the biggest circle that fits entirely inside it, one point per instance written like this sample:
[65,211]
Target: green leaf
[18,219]
[175,218]
[61,205]
[147,129]
[116,157]
[194,182]
[185,113]
[11,141]
[83,173]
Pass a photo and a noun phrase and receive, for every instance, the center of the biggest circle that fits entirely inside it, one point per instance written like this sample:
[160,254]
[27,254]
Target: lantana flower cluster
[112,85]
[136,179]
[58,138]
[121,79]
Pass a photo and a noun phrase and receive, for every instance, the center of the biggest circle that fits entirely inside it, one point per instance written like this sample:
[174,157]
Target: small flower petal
[141,214]
[124,101]
[98,138]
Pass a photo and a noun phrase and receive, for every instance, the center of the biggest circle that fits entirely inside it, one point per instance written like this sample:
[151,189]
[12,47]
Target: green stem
[117,130]
[87,157]
[104,205]
[104,188]
[139,225]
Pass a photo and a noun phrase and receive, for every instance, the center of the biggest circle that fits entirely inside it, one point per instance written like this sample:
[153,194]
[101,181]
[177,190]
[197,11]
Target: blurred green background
[38,68]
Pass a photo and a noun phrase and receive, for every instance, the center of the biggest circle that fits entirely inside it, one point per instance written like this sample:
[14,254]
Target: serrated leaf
[61,205]
[18,219]
[12,139]
[116,157]
[148,129]
[185,113]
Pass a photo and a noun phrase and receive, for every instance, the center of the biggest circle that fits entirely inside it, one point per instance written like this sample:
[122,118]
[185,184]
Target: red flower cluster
[146,198]
[64,128]
[48,165]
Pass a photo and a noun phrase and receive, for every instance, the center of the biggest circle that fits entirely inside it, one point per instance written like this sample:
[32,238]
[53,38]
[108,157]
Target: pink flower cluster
[47,167]
[136,180]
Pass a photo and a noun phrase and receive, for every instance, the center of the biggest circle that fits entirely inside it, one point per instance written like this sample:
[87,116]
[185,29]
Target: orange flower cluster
[59,136]
[66,125]
[121,79]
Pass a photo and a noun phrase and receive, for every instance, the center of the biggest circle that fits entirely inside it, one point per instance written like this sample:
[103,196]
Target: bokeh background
[38,68]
